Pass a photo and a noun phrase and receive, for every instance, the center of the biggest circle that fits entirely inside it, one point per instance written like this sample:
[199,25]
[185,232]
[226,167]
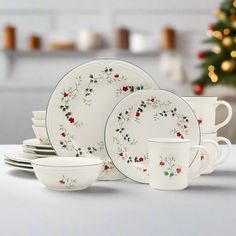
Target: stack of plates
[32,149]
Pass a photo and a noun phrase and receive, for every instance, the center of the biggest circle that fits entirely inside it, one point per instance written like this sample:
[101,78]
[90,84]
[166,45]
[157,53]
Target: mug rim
[200,97]
[168,140]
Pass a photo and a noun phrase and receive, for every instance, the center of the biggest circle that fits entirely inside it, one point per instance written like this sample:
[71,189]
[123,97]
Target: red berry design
[63,134]
[65,94]
[126,113]
[106,167]
[199,121]
[162,163]
[141,159]
[72,120]
[178,134]
[121,154]
[178,170]
[152,100]
[62,181]
[125,88]
[116,75]
[185,126]
[202,157]
[144,170]
[137,114]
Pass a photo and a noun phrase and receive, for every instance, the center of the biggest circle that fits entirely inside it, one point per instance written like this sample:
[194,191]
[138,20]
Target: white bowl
[40,115]
[38,123]
[41,134]
[67,173]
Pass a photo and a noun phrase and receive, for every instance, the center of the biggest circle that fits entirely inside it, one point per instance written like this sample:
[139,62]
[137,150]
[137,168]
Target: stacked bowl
[34,148]
[39,126]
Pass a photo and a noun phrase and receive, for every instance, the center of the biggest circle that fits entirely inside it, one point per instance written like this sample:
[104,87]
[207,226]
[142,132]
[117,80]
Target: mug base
[168,189]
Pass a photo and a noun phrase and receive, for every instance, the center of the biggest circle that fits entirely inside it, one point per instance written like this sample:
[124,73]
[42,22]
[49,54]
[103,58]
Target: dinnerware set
[108,120]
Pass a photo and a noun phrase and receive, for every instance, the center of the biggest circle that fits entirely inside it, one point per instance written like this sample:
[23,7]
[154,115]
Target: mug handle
[229,150]
[218,152]
[229,116]
[196,173]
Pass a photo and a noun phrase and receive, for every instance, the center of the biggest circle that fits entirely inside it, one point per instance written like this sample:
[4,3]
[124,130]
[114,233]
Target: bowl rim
[34,162]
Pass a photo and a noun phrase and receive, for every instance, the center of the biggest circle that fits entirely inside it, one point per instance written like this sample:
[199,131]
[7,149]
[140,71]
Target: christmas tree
[218,64]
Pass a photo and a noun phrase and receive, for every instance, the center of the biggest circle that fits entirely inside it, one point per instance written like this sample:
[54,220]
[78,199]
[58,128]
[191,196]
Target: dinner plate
[81,103]
[15,163]
[27,169]
[18,157]
[143,115]
[34,143]
[32,150]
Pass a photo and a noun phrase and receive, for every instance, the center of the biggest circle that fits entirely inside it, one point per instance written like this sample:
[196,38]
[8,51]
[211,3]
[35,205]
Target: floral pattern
[66,142]
[169,166]
[67,182]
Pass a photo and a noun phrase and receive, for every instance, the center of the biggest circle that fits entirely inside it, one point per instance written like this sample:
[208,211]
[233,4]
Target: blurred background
[42,40]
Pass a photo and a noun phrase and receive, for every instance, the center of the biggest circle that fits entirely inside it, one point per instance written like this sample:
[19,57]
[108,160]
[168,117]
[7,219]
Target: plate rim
[149,90]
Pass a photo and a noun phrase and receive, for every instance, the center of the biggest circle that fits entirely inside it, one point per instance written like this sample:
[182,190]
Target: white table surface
[110,208]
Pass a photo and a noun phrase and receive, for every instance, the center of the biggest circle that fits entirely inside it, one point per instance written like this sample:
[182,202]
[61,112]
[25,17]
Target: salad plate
[38,151]
[34,143]
[81,103]
[27,169]
[17,157]
[143,115]
[15,163]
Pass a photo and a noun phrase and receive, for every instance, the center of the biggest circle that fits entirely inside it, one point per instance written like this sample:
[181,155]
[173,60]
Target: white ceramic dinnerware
[140,116]
[67,173]
[39,115]
[38,123]
[38,151]
[17,161]
[205,109]
[17,157]
[35,144]
[41,134]
[81,103]
[169,163]
[216,157]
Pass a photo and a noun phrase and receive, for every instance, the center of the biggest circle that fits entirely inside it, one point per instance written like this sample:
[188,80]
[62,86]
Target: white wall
[31,79]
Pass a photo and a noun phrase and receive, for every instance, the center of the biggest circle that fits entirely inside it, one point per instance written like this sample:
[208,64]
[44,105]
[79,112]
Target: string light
[214,78]
[217,34]
[233,54]
[216,49]
[232,17]
[211,68]
[226,31]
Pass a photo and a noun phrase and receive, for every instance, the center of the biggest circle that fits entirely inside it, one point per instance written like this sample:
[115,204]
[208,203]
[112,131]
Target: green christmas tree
[218,64]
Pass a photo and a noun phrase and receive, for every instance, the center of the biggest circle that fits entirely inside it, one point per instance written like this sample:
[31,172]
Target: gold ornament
[228,66]
[233,54]
[234,3]
[222,16]
[227,41]
[234,24]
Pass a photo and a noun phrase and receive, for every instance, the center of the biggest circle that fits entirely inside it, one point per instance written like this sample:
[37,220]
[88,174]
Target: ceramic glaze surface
[81,103]
[143,115]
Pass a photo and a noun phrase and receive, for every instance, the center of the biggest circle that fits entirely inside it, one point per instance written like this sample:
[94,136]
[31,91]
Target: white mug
[205,110]
[169,163]
[210,142]
[200,164]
